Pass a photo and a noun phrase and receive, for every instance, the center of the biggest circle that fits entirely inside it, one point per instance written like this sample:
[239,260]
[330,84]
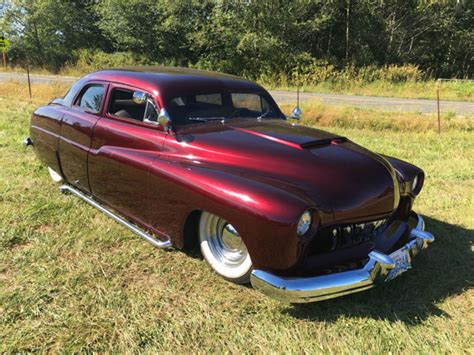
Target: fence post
[438,84]
[28,75]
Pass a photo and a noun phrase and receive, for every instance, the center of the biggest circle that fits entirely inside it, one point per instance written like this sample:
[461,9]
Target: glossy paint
[260,175]
[119,159]
[45,130]
[74,144]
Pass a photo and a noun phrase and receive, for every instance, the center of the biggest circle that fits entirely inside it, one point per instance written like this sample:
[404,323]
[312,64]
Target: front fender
[406,173]
[265,215]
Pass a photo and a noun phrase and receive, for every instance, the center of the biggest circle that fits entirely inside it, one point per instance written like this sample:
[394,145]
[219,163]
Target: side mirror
[164,119]
[139,97]
[296,113]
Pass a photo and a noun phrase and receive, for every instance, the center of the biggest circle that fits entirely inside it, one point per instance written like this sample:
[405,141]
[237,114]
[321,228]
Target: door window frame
[120,86]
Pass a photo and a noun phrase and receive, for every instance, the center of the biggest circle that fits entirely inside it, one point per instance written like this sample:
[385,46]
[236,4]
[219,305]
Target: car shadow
[441,271]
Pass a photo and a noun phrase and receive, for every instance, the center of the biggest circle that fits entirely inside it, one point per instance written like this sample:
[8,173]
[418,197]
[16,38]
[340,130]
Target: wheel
[224,249]
[54,175]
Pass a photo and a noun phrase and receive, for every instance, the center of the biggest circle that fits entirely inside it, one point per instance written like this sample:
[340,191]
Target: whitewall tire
[54,175]
[224,249]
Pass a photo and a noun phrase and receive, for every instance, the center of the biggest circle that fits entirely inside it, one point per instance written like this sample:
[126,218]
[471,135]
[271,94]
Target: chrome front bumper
[379,269]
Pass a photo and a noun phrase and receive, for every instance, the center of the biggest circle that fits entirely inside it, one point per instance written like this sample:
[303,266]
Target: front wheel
[224,249]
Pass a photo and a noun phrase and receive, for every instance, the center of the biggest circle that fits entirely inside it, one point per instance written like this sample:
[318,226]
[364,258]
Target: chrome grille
[351,234]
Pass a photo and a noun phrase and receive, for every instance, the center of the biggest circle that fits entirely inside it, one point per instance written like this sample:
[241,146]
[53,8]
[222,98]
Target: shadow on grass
[443,270]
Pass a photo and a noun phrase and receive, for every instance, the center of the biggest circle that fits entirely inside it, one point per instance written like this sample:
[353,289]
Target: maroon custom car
[184,156]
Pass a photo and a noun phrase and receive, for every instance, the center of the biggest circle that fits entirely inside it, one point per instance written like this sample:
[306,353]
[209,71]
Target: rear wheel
[224,249]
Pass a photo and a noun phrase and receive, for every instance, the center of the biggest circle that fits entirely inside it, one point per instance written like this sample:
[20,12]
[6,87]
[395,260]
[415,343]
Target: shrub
[310,72]
[400,74]
[369,74]
[88,60]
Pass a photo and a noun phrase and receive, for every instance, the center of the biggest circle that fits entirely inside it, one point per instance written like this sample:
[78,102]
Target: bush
[89,60]
[314,72]
[369,74]
[401,74]
[310,72]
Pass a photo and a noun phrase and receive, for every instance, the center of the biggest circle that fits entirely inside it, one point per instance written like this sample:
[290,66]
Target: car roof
[169,82]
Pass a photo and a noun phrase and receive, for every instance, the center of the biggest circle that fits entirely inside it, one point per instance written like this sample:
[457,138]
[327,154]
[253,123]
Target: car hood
[329,171]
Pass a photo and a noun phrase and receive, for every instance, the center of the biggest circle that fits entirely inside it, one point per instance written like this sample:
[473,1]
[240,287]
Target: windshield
[191,109]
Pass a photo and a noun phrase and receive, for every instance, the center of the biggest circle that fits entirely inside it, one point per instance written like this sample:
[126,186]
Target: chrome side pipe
[66,189]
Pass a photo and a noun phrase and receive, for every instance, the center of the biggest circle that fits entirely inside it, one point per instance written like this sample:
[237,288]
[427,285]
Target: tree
[47,31]
[255,38]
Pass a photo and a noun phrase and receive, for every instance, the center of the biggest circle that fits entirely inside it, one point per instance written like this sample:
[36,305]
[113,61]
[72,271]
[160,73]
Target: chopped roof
[168,82]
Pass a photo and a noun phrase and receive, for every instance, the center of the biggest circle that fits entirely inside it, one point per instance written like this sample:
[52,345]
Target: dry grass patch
[317,114]
[41,93]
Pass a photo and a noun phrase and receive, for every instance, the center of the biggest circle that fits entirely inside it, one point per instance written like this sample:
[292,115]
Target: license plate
[402,263]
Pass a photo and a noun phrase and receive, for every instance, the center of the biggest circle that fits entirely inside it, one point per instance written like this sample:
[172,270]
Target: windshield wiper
[206,119]
[263,114]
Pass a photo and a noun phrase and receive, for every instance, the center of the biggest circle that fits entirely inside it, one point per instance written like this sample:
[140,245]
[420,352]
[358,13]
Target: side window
[91,98]
[122,105]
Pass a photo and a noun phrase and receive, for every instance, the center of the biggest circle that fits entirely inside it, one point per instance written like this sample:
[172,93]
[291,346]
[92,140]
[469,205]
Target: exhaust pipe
[27,141]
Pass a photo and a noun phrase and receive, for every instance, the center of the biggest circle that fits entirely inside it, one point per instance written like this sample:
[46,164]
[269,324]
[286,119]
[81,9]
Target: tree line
[254,38]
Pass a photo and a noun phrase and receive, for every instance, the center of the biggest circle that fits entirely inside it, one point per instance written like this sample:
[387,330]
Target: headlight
[304,223]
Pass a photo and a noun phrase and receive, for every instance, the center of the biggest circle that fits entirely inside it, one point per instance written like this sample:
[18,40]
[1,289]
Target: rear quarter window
[91,98]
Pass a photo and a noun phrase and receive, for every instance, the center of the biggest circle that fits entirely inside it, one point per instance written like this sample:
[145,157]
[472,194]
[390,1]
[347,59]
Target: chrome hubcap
[225,242]
[231,238]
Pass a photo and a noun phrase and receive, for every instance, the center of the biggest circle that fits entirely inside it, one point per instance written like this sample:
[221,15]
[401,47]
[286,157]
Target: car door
[123,147]
[77,126]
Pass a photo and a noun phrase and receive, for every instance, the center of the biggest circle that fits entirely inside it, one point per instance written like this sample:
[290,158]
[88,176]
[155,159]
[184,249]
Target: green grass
[73,280]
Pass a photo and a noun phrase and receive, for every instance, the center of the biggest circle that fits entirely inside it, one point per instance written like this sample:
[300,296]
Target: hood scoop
[298,137]
[322,142]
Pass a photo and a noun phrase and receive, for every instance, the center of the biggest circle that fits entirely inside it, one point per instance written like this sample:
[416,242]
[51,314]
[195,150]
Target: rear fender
[45,130]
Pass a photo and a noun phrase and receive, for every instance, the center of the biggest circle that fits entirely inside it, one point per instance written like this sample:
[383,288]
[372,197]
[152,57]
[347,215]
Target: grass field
[73,280]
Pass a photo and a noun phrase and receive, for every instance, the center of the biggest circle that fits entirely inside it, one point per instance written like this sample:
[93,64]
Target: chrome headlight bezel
[304,223]
[414,184]
[417,184]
